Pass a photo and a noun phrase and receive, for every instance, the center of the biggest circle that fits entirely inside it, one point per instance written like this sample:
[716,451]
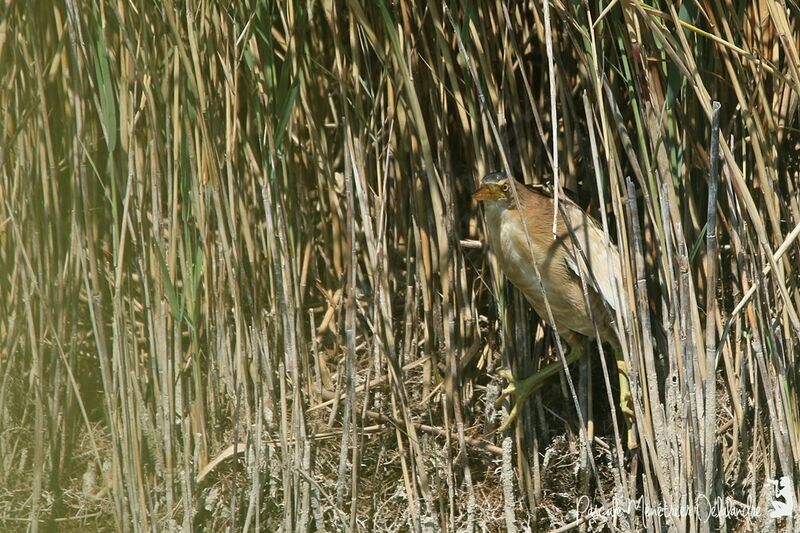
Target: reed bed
[244,286]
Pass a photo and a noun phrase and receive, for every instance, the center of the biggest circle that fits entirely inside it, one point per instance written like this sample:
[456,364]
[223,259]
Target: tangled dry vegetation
[244,286]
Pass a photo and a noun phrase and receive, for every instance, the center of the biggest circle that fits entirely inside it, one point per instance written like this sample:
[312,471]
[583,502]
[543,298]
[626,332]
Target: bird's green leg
[523,388]
[625,399]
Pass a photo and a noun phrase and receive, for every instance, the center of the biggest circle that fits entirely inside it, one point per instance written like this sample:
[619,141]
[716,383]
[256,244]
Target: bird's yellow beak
[488,191]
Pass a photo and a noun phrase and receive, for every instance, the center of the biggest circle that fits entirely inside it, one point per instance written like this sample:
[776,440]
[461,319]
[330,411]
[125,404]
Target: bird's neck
[494,211]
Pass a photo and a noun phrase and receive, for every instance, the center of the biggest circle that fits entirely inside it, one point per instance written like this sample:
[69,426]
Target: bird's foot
[522,389]
[626,404]
[525,387]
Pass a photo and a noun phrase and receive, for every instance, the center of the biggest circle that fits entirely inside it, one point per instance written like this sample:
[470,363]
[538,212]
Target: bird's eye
[505,187]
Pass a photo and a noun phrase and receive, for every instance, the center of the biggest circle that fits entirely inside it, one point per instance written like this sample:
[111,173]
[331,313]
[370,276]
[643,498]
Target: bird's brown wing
[595,256]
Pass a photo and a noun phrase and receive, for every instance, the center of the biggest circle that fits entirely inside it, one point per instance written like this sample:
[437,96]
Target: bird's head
[494,187]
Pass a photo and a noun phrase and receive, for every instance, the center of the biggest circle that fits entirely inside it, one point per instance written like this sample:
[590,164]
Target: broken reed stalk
[710,415]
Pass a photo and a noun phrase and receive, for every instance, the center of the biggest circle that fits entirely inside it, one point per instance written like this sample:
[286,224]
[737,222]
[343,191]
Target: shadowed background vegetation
[243,286]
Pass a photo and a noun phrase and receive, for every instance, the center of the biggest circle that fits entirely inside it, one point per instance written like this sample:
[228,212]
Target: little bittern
[557,262]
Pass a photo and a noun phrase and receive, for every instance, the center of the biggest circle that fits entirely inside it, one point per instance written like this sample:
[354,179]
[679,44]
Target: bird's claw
[510,418]
[511,388]
[506,375]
